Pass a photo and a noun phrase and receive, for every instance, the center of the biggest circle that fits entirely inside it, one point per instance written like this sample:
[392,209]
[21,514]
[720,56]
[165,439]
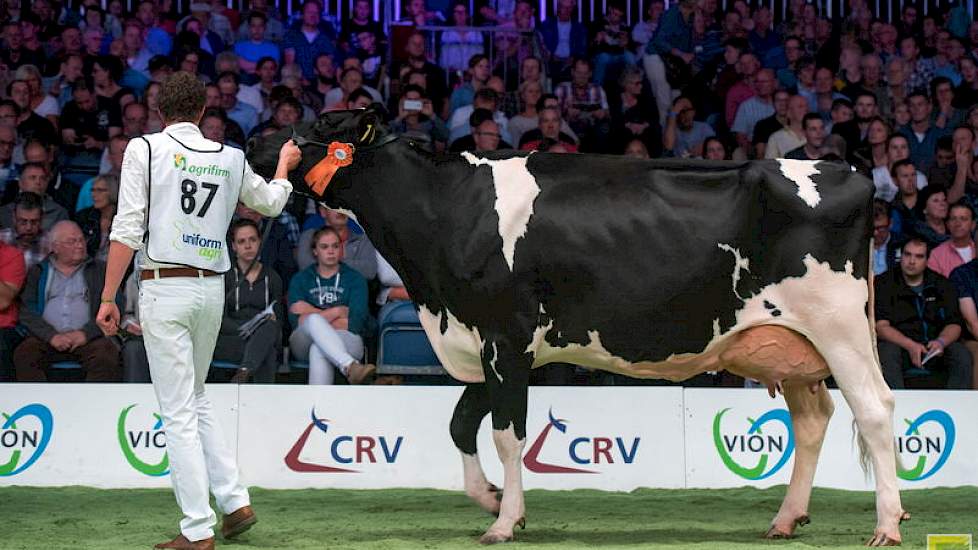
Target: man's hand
[935,345]
[60,342]
[77,339]
[108,318]
[289,155]
[962,156]
[134,328]
[917,352]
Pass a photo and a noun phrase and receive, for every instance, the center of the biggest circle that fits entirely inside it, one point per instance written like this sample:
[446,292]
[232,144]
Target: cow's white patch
[801,172]
[459,349]
[739,263]
[492,363]
[824,305]
[516,189]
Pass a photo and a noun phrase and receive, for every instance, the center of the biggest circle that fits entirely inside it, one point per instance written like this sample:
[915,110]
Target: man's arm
[12,277]
[886,331]
[269,200]
[969,313]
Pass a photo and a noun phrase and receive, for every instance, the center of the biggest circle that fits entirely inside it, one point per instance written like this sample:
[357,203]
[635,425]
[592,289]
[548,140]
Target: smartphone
[413,104]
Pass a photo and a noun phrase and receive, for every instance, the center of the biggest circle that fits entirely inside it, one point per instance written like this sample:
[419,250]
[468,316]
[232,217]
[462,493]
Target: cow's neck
[391,196]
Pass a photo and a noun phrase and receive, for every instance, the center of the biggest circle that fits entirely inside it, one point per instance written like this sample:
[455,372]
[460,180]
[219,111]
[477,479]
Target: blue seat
[297,364]
[225,365]
[404,347]
[66,365]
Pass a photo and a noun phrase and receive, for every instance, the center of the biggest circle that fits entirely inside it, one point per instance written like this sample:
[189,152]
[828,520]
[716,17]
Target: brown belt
[165,272]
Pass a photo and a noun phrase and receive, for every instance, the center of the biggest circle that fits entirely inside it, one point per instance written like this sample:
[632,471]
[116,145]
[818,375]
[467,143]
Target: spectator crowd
[898,100]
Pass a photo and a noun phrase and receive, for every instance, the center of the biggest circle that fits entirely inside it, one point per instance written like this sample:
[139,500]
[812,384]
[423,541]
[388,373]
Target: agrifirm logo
[754,449]
[928,440]
[180,163]
[338,447]
[23,437]
[583,450]
[143,443]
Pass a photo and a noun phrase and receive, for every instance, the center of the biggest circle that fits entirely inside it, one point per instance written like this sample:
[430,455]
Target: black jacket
[920,317]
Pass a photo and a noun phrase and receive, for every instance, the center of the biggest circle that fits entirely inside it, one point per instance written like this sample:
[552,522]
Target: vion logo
[933,444]
[23,437]
[749,453]
[342,448]
[585,450]
[143,443]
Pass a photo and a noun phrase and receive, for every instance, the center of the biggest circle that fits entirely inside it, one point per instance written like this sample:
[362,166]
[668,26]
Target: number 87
[188,191]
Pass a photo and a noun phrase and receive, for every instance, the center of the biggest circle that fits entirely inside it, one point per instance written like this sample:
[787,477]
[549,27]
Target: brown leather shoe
[238,522]
[182,543]
[360,373]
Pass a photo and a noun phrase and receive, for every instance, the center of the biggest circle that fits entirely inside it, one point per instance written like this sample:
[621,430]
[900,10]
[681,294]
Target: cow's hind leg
[811,407]
[507,371]
[848,349]
[472,407]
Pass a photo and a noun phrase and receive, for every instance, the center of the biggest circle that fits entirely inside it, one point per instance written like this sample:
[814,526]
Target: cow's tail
[865,459]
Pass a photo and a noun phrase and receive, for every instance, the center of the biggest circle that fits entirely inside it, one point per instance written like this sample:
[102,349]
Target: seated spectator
[841,113]
[634,114]
[362,20]
[240,112]
[135,364]
[250,289]
[312,36]
[966,93]
[903,217]
[88,121]
[478,76]
[34,179]
[931,216]
[266,69]
[584,104]
[610,43]
[287,113]
[897,148]
[419,124]
[357,252]
[279,241]
[416,58]
[372,59]
[684,135]
[941,172]
[965,280]
[486,98]
[884,243]
[151,98]
[256,47]
[945,115]
[792,136]
[134,119]
[516,41]
[106,73]
[113,154]
[823,96]
[916,314]
[25,232]
[747,67]
[548,127]
[59,312]
[531,72]
[41,103]
[814,128]
[959,249]
[328,307]
[12,275]
[921,133]
[766,127]
[715,149]
[8,170]
[754,109]
[488,137]
[671,44]
[530,93]
[29,123]
[636,149]
[872,153]
[350,79]
[322,83]
[96,221]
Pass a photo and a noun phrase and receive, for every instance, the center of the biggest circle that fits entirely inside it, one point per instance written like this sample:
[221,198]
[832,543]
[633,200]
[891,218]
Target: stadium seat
[404,348]
[66,365]
[225,365]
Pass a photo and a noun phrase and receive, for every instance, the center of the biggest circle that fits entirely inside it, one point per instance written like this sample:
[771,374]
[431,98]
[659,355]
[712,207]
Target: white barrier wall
[610,438]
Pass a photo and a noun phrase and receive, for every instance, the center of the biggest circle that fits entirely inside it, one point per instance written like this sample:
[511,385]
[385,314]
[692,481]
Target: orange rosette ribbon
[337,156]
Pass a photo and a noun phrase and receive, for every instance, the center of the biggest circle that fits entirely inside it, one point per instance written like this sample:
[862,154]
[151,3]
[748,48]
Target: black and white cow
[653,269]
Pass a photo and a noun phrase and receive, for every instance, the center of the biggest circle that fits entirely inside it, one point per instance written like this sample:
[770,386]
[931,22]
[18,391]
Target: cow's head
[330,147]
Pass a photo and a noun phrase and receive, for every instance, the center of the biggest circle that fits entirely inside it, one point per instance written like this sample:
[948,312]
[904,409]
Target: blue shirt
[306,51]
[673,32]
[249,51]
[245,115]
[922,151]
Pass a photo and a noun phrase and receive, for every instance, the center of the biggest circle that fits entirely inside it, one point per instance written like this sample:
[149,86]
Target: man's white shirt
[185,197]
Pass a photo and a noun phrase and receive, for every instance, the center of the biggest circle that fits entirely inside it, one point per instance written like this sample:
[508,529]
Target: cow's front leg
[472,407]
[507,369]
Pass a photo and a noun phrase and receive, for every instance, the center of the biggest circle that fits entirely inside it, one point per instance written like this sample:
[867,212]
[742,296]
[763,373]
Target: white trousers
[325,348]
[655,71]
[181,317]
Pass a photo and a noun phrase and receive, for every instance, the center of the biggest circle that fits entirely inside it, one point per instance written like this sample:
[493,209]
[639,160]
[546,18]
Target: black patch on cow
[773,309]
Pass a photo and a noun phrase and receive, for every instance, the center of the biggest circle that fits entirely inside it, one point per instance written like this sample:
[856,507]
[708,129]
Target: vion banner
[612,438]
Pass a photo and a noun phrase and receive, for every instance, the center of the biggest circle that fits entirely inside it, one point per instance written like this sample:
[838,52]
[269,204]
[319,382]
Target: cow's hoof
[495,537]
[884,539]
[905,516]
[787,531]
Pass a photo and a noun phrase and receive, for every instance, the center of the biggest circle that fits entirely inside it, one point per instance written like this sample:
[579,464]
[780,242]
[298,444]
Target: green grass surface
[80,518]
